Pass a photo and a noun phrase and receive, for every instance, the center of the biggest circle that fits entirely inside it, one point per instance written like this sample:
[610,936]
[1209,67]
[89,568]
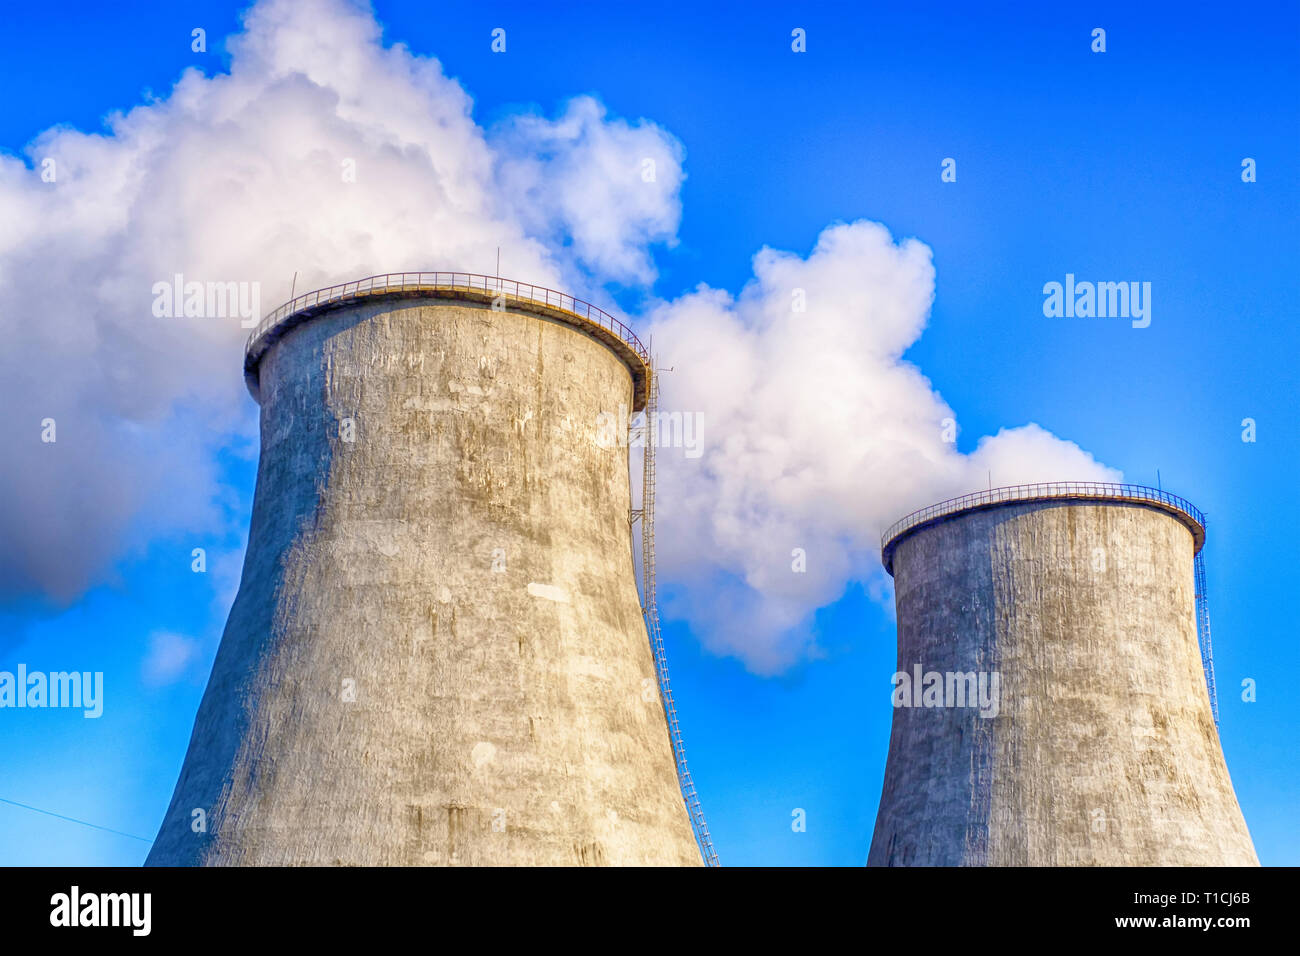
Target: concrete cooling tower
[1051,706]
[437,653]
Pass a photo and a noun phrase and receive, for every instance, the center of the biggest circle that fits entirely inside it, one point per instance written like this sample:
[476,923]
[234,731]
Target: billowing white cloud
[609,187]
[322,153]
[816,436]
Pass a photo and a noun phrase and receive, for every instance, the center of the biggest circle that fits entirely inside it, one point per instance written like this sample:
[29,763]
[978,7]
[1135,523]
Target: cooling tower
[1065,612]
[437,653]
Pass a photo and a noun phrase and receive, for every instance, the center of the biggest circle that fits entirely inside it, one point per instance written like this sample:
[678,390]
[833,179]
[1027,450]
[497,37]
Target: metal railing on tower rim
[415,282]
[1044,491]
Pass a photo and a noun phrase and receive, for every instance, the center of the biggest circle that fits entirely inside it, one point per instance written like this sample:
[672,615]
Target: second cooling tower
[1050,703]
[437,653]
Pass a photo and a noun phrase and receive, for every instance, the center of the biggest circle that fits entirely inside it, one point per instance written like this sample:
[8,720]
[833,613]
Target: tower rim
[1180,508]
[461,286]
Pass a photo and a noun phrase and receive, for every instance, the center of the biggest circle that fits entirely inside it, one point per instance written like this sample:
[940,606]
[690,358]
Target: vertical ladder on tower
[1203,633]
[650,611]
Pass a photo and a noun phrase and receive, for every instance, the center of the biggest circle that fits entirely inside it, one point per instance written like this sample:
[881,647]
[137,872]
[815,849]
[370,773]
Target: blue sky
[1122,165]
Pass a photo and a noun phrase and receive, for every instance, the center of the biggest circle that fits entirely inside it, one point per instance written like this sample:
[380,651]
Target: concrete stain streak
[549,592]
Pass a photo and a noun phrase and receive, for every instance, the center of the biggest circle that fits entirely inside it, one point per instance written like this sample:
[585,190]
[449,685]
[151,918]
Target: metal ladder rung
[650,611]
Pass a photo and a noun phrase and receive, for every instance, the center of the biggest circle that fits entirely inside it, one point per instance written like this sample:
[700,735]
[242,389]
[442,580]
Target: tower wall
[436,655]
[1103,750]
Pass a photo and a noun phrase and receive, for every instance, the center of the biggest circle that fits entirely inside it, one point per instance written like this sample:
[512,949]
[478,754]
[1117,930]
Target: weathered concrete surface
[499,715]
[1104,751]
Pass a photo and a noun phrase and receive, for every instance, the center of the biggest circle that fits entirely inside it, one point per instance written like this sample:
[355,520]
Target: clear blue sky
[1119,165]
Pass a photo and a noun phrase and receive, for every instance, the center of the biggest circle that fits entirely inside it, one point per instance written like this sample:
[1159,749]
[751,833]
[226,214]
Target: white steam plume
[245,177]
[816,435]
